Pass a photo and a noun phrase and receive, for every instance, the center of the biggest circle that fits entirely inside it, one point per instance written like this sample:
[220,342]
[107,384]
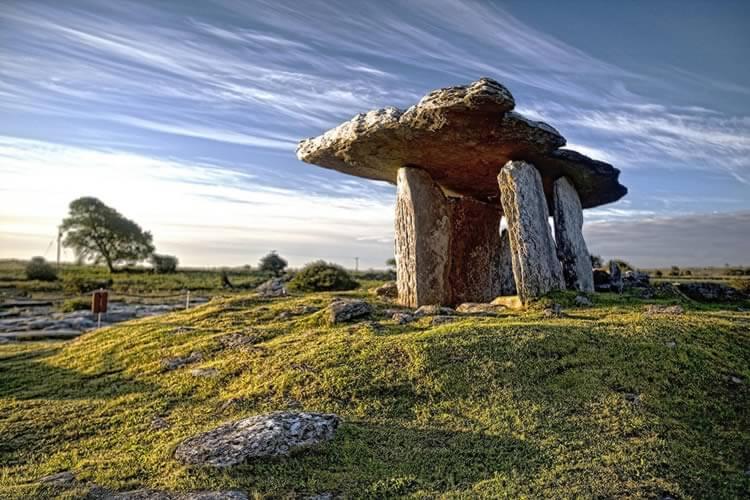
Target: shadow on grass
[29,375]
[368,460]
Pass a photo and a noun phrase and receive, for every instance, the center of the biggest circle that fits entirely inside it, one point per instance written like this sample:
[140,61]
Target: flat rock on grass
[145,494]
[432,310]
[174,363]
[343,310]
[268,435]
[656,310]
[480,309]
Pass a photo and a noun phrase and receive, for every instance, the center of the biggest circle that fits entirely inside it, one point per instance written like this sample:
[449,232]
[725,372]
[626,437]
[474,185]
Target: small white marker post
[187,300]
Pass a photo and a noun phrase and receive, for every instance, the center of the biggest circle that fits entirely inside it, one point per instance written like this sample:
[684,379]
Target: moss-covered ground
[605,402]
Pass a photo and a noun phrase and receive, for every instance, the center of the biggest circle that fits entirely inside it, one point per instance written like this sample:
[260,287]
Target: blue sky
[185,116]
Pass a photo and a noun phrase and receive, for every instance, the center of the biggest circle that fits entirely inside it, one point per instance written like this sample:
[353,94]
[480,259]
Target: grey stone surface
[402,318]
[178,362]
[147,494]
[433,310]
[480,309]
[656,310]
[268,435]
[422,239]
[535,266]
[462,136]
[615,277]
[571,247]
[583,301]
[344,310]
[707,291]
[274,287]
[388,290]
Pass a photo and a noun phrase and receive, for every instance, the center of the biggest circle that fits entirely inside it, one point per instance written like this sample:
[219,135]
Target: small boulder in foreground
[269,435]
[343,310]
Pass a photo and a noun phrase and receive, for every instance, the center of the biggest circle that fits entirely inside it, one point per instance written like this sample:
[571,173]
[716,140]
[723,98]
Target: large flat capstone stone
[462,136]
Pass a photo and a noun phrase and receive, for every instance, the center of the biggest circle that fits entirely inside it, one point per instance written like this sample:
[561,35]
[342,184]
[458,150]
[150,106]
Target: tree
[273,263]
[99,233]
[596,261]
[391,263]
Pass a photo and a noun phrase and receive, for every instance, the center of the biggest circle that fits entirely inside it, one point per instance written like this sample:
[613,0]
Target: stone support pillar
[535,266]
[571,247]
[474,251]
[422,239]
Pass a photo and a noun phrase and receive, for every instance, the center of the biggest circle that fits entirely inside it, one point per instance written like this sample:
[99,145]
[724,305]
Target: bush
[624,266]
[40,269]
[321,276]
[77,304]
[163,264]
[596,261]
[658,274]
[674,271]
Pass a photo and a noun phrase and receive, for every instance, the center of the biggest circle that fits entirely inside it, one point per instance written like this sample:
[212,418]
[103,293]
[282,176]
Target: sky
[185,116]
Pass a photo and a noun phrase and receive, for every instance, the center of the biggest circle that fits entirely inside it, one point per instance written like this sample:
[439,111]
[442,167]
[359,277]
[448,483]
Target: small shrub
[596,261]
[77,304]
[624,266]
[40,269]
[674,271]
[658,274]
[321,276]
[163,264]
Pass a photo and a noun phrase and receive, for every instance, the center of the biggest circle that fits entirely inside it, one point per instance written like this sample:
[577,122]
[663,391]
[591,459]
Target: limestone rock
[655,310]
[441,320]
[268,435]
[462,136]
[571,247]
[554,311]
[65,478]
[474,251]
[480,309]
[174,363]
[388,290]
[422,239]
[433,310]
[615,277]
[535,266]
[509,301]
[402,318]
[707,291]
[506,282]
[343,310]
[272,288]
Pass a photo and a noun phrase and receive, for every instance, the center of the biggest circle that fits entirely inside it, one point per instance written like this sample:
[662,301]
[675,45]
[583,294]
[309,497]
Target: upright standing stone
[615,277]
[474,250]
[571,247]
[506,283]
[422,239]
[535,265]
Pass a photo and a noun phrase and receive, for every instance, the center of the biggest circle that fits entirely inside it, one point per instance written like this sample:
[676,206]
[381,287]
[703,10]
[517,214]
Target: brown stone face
[462,136]
[475,251]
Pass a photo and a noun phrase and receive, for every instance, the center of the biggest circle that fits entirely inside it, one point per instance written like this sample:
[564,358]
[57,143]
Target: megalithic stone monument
[448,155]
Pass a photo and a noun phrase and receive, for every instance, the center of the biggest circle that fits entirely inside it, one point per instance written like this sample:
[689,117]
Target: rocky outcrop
[474,251]
[388,290]
[261,436]
[571,247]
[422,239]
[344,310]
[274,287]
[506,282]
[480,309]
[535,266]
[707,291]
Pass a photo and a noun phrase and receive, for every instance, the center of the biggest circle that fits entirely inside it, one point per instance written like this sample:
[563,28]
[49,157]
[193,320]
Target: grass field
[606,402]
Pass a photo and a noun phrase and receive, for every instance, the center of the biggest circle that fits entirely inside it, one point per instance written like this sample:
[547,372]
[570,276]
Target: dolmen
[462,159]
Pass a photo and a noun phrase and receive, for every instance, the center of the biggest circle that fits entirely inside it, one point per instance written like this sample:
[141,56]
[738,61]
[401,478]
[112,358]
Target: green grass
[596,404]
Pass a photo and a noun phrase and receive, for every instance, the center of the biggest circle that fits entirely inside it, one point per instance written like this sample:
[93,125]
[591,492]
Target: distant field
[137,284]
